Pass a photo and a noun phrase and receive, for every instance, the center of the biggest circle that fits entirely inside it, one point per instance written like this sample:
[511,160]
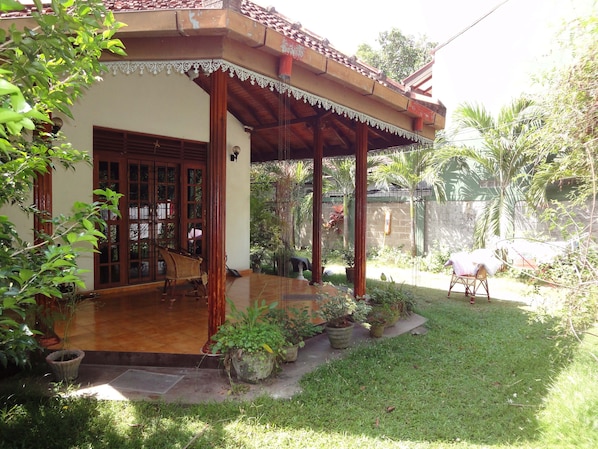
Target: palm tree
[504,159]
[411,170]
[340,178]
[282,185]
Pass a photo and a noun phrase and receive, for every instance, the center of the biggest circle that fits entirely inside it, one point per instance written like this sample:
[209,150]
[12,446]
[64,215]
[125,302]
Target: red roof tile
[266,16]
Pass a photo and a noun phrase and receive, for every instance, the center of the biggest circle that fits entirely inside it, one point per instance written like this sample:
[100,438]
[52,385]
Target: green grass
[487,376]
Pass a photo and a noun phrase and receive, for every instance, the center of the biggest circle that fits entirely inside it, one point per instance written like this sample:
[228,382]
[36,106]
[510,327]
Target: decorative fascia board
[209,66]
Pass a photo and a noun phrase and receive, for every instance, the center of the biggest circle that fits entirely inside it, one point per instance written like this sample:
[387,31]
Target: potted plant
[249,341]
[296,325]
[65,362]
[341,311]
[349,258]
[391,299]
[376,321]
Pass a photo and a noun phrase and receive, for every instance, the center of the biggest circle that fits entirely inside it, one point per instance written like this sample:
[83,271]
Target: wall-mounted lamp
[235,153]
[56,125]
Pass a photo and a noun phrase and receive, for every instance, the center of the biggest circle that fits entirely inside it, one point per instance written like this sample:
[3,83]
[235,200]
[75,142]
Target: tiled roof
[293,30]
[268,17]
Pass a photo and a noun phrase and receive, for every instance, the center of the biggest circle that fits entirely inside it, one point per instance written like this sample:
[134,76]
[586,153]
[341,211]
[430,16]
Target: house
[206,88]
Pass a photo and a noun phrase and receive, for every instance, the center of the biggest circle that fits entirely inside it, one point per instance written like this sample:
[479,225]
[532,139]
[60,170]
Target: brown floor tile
[140,321]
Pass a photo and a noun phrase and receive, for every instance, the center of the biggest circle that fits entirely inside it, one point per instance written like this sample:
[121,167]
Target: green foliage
[409,170]
[502,155]
[249,330]
[265,227]
[44,70]
[394,256]
[567,147]
[349,256]
[392,294]
[340,177]
[434,261]
[279,206]
[399,55]
[42,268]
[575,272]
[567,144]
[340,309]
[296,324]
[376,391]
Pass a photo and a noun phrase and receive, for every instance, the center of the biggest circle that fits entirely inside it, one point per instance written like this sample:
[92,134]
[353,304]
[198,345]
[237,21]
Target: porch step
[151,359]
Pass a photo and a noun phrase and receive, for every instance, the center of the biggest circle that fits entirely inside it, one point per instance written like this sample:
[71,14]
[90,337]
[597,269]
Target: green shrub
[341,309]
[249,331]
[296,324]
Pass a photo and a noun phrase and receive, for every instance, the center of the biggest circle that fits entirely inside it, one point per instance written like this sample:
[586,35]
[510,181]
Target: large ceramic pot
[377,330]
[291,353]
[340,337]
[65,363]
[252,367]
[396,312]
[350,273]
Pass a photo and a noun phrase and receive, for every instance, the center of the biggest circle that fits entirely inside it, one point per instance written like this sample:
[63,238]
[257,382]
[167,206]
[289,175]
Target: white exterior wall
[168,105]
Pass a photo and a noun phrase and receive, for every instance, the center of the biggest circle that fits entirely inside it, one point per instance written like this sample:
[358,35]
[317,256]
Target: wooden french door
[162,205]
[152,216]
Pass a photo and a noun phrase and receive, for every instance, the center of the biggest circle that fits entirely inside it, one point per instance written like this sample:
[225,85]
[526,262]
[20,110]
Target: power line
[470,26]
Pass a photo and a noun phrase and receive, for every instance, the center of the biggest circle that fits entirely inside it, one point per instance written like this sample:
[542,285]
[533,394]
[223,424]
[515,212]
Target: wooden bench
[180,267]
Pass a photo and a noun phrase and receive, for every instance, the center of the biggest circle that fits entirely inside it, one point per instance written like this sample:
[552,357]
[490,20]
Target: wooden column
[361,185]
[216,211]
[316,274]
[42,200]
[42,192]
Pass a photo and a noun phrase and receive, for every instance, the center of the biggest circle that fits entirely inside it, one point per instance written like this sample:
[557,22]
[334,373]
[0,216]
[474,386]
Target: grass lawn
[487,376]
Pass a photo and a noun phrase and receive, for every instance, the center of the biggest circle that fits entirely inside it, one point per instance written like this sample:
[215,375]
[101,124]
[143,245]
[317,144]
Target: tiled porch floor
[139,321]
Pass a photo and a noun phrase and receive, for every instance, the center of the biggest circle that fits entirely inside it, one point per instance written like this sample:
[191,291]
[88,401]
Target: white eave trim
[209,66]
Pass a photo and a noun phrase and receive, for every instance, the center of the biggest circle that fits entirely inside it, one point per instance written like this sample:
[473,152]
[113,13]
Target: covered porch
[230,76]
[138,322]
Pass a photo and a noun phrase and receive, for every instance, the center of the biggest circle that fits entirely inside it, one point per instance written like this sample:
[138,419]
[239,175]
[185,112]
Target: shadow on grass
[479,375]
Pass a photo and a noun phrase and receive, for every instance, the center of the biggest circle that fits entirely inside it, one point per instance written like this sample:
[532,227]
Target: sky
[349,23]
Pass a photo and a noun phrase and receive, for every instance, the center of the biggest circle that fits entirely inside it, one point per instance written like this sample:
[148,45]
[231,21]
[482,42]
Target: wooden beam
[291,122]
[216,212]
[361,185]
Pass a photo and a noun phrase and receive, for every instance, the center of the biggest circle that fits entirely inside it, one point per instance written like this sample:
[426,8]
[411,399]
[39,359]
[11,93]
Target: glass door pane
[193,210]
[140,214]
[152,217]
[109,260]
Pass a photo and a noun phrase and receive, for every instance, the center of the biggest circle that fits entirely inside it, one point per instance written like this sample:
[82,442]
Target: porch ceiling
[277,122]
